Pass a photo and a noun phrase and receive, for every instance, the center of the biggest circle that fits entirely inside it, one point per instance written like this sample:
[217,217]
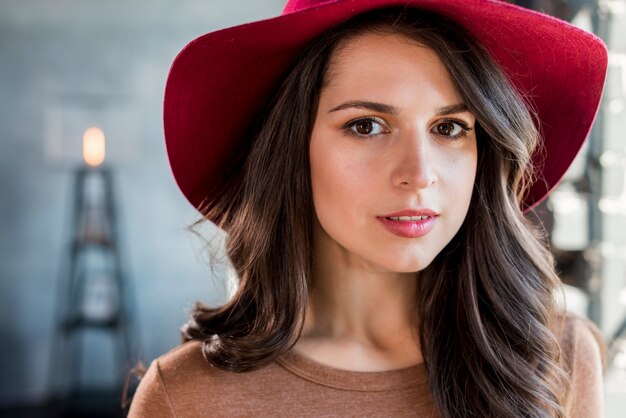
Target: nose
[415,165]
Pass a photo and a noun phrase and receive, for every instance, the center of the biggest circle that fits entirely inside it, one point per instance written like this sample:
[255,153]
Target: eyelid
[460,122]
[362,118]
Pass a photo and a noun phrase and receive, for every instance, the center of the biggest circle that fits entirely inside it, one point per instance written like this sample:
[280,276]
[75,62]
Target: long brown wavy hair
[485,304]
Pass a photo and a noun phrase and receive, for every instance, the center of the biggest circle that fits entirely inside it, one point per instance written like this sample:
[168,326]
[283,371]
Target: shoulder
[169,382]
[153,396]
[184,364]
[583,350]
[182,382]
[580,339]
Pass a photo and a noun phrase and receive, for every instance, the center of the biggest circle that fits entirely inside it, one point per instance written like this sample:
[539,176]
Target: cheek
[460,179]
[464,175]
[338,181]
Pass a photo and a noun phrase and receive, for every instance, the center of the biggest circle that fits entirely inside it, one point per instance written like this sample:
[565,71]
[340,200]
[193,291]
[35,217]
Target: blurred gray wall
[64,64]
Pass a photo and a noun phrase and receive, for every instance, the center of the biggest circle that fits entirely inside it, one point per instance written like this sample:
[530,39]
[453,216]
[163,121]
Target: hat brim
[219,81]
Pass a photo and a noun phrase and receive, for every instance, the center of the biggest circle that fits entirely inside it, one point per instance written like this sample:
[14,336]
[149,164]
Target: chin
[407,266]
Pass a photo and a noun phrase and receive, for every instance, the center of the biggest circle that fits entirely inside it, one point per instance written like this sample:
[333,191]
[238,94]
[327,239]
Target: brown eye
[451,129]
[446,128]
[364,127]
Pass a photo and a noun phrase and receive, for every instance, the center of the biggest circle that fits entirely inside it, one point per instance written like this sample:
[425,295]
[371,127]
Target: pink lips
[410,229]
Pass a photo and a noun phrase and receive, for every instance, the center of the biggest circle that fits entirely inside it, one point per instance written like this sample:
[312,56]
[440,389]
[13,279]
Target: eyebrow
[392,110]
[359,104]
[449,110]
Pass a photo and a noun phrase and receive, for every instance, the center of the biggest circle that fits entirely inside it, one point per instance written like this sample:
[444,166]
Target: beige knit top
[182,384]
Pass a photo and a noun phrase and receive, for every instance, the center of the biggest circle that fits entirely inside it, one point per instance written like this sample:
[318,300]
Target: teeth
[407,218]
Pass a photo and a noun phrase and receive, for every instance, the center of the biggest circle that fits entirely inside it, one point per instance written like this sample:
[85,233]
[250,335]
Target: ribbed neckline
[322,374]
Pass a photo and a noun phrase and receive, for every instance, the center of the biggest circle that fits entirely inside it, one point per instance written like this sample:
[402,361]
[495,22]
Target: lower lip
[409,229]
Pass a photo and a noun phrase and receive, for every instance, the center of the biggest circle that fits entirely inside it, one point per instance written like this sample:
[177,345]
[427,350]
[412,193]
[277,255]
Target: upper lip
[411,212]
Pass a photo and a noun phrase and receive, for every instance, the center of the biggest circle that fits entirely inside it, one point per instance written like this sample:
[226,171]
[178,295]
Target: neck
[359,308]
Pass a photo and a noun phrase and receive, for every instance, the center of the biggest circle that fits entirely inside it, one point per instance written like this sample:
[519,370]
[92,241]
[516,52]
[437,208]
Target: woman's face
[391,134]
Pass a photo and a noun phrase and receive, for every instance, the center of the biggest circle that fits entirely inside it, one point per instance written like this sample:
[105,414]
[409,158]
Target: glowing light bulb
[93,146]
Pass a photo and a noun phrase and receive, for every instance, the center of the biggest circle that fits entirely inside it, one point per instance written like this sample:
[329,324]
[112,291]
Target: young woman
[371,162]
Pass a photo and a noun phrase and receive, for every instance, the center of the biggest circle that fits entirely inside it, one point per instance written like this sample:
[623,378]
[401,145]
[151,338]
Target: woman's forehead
[387,65]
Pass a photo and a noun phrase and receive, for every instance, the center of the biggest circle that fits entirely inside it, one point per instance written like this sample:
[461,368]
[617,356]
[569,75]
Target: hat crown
[294,6]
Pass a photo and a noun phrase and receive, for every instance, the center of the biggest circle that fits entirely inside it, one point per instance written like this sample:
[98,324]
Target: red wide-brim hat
[219,81]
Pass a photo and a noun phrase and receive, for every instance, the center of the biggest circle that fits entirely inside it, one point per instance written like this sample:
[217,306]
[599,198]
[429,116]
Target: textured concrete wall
[64,65]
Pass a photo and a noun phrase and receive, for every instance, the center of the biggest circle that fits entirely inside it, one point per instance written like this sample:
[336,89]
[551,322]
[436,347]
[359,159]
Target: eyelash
[348,127]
